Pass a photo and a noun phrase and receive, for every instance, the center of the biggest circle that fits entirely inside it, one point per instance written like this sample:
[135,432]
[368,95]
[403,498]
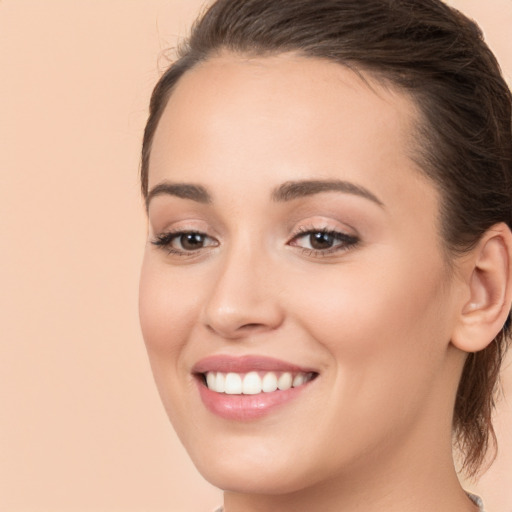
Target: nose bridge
[243,299]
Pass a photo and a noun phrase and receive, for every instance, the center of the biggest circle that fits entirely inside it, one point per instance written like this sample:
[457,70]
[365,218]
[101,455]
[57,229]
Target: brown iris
[321,241]
[192,241]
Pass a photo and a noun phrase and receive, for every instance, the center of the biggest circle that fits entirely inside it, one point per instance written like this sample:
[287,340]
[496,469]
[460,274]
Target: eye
[184,242]
[323,241]
[190,241]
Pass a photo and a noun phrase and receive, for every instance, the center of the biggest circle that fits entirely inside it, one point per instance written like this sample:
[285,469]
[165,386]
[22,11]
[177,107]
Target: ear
[488,279]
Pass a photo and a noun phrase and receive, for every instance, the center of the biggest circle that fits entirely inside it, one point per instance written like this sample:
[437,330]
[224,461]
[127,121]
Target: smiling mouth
[254,382]
[246,388]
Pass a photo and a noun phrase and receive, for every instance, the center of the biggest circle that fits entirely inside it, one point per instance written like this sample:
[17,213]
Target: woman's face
[293,242]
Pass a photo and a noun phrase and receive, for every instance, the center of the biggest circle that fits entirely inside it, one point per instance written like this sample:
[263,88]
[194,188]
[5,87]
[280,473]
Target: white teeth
[211,380]
[220,383]
[298,380]
[254,382]
[285,381]
[233,384]
[269,382]
[251,384]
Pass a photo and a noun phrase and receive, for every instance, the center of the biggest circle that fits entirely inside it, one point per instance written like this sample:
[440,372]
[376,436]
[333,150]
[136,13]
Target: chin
[256,479]
[260,470]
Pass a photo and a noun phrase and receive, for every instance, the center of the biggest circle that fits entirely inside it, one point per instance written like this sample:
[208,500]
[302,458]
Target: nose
[245,298]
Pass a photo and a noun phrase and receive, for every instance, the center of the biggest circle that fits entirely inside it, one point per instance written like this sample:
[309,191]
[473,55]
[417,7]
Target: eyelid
[346,241]
[165,239]
[339,239]
[178,220]
[325,225]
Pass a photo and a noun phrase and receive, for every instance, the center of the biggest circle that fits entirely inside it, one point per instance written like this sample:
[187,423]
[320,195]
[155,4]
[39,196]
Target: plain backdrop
[81,426]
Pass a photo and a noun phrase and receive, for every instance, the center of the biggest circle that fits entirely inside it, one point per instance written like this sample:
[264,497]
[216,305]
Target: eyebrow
[296,189]
[286,192]
[183,190]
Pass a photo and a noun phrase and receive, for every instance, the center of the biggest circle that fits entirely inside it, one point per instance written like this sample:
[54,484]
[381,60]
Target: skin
[375,319]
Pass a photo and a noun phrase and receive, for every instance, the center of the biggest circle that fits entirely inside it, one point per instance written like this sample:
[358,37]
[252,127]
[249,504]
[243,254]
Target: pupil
[192,241]
[321,240]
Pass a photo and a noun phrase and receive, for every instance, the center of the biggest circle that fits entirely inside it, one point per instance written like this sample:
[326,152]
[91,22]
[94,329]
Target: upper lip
[244,364]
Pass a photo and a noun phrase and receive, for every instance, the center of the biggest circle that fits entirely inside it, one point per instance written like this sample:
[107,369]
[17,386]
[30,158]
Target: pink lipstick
[248,387]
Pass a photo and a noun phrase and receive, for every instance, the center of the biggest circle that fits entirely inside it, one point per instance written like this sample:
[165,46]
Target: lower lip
[246,407]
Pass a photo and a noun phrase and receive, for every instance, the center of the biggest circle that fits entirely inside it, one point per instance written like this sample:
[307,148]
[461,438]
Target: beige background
[81,427]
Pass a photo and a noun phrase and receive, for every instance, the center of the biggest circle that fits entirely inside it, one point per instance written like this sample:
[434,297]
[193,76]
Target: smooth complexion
[341,273]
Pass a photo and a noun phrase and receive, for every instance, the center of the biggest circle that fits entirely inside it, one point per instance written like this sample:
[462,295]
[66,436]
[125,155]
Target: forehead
[299,112]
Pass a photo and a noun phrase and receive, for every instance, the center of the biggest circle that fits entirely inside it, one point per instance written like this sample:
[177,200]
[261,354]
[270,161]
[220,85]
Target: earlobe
[489,283]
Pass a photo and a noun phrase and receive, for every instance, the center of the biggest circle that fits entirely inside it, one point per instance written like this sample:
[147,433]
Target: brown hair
[438,56]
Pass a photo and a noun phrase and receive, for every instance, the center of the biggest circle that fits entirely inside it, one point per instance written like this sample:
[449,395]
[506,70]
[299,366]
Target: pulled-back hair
[464,140]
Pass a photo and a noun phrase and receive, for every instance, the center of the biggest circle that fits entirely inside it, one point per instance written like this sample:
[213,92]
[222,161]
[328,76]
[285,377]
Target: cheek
[386,344]
[168,312]
[387,321]
[166,307]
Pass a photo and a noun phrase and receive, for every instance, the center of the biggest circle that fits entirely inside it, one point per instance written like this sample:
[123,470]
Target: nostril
[232,316]
[237,331]
[250,326]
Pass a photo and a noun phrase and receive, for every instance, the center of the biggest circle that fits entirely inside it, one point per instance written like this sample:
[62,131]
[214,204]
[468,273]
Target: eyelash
[165,240]
[347,241]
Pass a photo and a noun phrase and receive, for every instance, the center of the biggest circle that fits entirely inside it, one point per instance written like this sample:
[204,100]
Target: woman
[326,289]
